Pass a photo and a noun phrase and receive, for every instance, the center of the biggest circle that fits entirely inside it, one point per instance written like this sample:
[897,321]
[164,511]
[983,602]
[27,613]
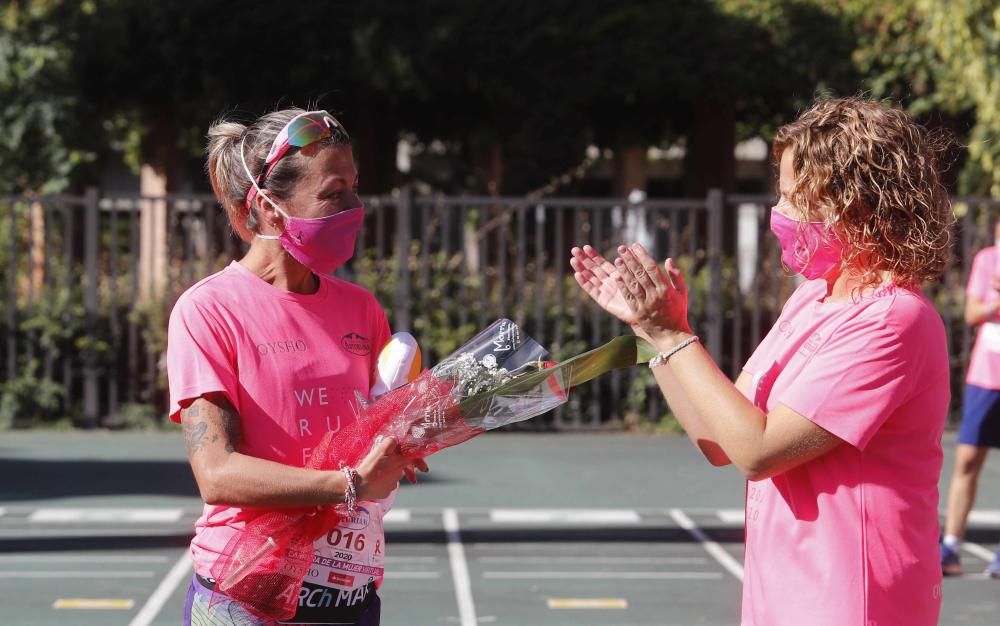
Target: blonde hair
[225,170]
[873,174]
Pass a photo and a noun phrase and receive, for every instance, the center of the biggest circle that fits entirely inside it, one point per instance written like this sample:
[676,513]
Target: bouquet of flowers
[499,377]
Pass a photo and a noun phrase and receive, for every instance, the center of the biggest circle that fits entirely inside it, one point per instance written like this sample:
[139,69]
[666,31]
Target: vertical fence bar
[756,286]
[49,361]
[91,241]
[12,296]
[69,232]
[539,289]
[579,219]
[595,322]
[113,311]
[522,253]
[133,326]
[208,208]
[716,203]
[403,291]
[559,415]
[463,289]
[425,228]
[482,244]
[31,339]
[968,230]
[501,256]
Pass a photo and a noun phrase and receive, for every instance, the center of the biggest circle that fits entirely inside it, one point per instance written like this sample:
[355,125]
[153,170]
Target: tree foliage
[39,132]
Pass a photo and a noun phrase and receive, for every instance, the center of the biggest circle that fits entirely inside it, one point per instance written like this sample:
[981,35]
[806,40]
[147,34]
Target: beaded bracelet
[350,491]
[661,358]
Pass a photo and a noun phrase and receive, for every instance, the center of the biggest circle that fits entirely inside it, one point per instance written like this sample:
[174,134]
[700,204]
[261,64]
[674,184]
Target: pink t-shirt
[289,363]
[850,538]
[984,365]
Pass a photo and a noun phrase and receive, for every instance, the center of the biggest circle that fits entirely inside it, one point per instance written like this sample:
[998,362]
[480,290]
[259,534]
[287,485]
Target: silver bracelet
[350,491]
[661,358]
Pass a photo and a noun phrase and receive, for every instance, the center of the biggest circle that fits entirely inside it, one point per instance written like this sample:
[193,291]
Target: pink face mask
[322,244]
[808,248]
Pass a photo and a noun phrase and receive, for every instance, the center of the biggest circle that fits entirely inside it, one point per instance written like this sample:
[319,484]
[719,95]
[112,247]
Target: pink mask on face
[322,244]
[811,250]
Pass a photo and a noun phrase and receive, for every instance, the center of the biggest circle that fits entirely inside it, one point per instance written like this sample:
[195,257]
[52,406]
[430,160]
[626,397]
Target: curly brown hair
[872,174]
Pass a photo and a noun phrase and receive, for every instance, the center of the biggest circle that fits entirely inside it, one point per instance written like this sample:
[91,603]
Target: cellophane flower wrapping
[495,379]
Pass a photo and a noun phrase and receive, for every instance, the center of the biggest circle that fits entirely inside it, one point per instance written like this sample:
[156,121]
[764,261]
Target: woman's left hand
[658,297]
[410,471]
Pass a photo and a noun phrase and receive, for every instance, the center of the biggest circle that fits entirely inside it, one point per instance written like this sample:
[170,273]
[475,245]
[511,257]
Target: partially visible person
[980,428]
[836,419]
[267,356]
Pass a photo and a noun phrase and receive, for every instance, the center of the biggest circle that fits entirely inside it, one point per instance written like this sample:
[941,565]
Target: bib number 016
[350,540]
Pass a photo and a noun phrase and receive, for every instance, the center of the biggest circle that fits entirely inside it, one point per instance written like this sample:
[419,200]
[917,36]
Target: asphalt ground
[516,529]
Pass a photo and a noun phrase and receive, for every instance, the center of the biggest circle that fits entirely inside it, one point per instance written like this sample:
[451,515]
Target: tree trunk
[37,255]
[158,175]
[374,130]
[631,170]
[711,160]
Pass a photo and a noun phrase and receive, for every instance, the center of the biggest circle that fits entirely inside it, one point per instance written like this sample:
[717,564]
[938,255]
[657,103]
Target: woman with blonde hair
[836,419]
[268,355]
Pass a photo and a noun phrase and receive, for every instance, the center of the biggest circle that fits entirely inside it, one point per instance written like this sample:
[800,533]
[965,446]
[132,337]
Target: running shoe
[951,564]
[993,569]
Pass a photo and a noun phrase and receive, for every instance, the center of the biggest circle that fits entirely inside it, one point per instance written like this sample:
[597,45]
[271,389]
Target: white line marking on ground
[76,574]
[102,604]
[127,516]
[28,533]
[717,552]
[587,603]
[161,594]
[3,511]
[74,558]
[417,575]
[732,516]
[411,559]
[979,551]
[984,516]
[608,575]
[603,560]
[564,516]
[397,516]
[459,569]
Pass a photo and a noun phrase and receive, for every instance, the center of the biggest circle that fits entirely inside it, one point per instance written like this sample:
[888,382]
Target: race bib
[348,565]
[989,335]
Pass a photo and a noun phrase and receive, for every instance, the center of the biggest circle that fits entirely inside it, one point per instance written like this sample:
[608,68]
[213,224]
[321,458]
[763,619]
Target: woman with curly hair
[836,419]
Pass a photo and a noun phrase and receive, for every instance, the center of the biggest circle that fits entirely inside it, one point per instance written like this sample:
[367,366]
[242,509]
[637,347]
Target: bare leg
[969,462]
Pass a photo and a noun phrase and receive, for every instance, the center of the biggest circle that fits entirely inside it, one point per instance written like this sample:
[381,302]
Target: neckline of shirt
[302,298]
[822,304]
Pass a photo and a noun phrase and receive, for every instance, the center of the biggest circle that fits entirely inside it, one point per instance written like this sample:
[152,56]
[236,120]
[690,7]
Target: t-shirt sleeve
[200,359]
[981,277]
[380,336]
[855,381]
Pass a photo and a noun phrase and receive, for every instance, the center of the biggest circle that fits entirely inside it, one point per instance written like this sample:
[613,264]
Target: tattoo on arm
[212,411]
[194,436]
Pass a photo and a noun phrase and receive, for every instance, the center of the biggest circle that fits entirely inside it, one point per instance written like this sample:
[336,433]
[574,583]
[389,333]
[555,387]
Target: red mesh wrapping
[263,567]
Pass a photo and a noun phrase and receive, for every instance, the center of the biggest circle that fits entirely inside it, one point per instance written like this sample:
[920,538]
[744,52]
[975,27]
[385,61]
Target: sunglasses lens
[307,130]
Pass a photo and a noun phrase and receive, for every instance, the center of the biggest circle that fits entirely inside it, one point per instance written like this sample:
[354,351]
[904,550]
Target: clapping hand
[635,289]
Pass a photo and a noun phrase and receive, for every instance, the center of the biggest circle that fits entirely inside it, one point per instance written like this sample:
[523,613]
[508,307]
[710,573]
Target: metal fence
[90,281]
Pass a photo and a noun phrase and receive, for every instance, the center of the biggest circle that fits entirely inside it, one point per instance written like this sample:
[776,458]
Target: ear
[269,220]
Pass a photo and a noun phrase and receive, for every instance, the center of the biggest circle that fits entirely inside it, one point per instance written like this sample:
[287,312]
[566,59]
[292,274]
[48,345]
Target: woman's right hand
[379,473]
[597,276]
